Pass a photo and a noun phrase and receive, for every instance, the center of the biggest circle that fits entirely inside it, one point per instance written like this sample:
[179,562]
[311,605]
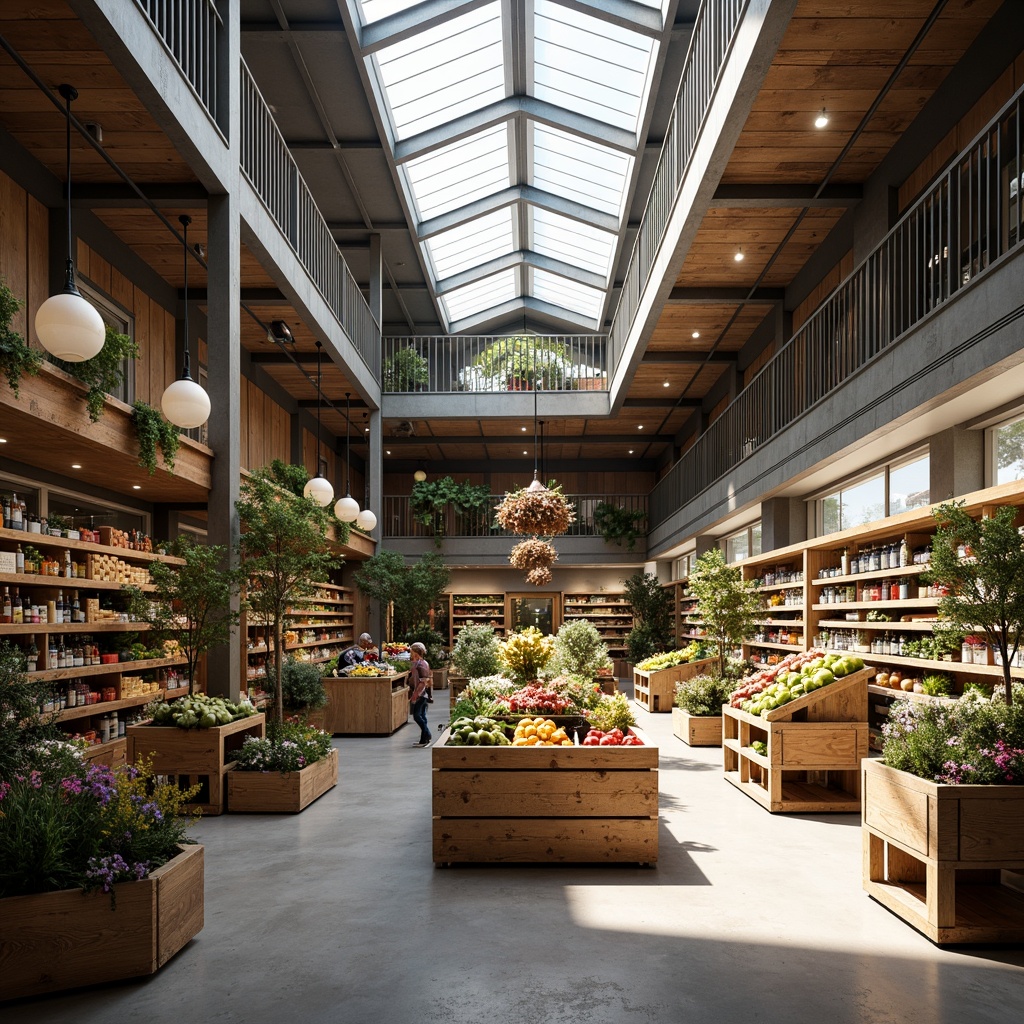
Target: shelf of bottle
[263,649]
[960,667]
[41,540]
[101,708]
[919,625]
[877,574]
[35,580]
[466,609]
[766,587]
[775,647]
[909,602]
[21,628]
[596,604]
[603,615]
[299,608]
[116,668]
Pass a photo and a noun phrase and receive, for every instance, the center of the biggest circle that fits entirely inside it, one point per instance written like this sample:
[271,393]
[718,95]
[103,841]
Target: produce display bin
[655,690]
[366,705]
[545,804]
[697,730]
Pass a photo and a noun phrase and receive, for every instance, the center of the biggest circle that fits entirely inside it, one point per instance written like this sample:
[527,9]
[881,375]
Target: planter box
[545,804]
[947,859]
[367,705]
[697,730]
[58,940]
[655,691]
[194,755]
[458,684]
[274,793]
[439,678]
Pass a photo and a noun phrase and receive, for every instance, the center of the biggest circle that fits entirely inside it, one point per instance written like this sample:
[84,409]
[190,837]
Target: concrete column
[956,463]
[783,522]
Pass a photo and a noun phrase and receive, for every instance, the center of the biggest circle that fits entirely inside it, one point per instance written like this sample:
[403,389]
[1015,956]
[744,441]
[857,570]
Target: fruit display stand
[815,745]
[655,691]
[697,730]
[366,705]
[947,859]
[545,804]
[281,792]
[194,756]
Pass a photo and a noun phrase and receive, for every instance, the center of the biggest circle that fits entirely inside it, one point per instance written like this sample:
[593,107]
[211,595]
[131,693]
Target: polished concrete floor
[338,915]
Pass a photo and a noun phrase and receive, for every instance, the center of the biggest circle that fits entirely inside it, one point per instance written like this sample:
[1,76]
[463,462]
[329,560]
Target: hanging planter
[533,554]
[538,577]
[541,511]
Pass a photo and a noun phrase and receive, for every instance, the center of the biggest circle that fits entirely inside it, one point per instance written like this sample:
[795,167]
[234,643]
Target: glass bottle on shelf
[17,521]
[76,609]
[7,609]
[51,656]
[19,559]
[17,608]
[31,654]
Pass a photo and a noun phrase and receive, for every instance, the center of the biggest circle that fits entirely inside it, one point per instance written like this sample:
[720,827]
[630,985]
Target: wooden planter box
[439,678]
[545,804]
[458,684]
[277,793]
[815,747]
[947,859]
[655,691]
[366,705]
[315,719]
[57,940]
[194,755]
[697,730]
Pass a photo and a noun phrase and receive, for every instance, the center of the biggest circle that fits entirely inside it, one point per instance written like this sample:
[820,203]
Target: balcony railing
[712,37]
[966,220]
[191,31]
[449,363]
[399,520]
[270,169]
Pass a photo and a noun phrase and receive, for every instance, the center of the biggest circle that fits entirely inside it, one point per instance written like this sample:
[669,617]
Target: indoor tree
[727,604]
[979,563]
[406,594]
[652,606]
[284,551]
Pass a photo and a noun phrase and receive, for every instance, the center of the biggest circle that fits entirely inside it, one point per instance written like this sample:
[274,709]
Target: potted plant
[430,500]
[537,510]
[284,773]
[579,650]
[697,715]
[16,358]
[57,525]
[943,814]
[405,370]
[521,363]
[524,654]
[652,616]
[104,373]
[616,524]
[303,693]
[476,654]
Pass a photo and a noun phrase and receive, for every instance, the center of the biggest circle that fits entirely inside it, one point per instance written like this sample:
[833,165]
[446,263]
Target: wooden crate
[947,859]
[193,756]
[365,705]
[697,730]
[458,684]
[655,691]
[439,678]
[815,747]
[281,793]
[58,940]
[545,804]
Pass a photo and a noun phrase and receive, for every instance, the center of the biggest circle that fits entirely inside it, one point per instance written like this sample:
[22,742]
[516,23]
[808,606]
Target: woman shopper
[419,683]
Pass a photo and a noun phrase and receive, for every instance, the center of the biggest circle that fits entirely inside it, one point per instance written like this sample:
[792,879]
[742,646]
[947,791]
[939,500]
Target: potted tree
[580,651]
[652,616]
[476,654]
[406,594]
[303,692]
[405,370]
[697,715]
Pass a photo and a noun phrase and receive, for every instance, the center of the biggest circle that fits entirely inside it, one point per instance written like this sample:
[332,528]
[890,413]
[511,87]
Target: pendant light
[318,487]
[536,485]
[184,402]
[347,508]
[67,326]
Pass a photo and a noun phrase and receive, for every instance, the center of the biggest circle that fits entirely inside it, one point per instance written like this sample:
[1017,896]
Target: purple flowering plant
[289,748]
[972,740]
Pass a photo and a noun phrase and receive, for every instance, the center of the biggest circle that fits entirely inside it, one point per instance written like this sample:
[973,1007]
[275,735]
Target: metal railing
[967,219]
[399,520]
[191,31]
[713,33]
[270,169]
[480,363]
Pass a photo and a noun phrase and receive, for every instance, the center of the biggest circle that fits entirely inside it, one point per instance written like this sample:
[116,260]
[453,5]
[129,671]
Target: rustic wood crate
[545,804]
[947,859]
[655,691]
[439,678]
[59,940]
[365,705]
[277,793]
[697,730]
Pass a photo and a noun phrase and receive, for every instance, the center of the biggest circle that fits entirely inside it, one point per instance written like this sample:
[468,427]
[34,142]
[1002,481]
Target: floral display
[532,554]
[525,653]
[539,577]
[542,512]
[292,748]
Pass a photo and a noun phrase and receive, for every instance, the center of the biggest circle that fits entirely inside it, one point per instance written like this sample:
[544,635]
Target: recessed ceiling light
[641,427]
[630,451]
[821,121]
[3,440]
[136,487]
[526,453]
[696,334]
[387,452]
[76,465]
[666,385]
[366,430]
[738,257]
[523,429]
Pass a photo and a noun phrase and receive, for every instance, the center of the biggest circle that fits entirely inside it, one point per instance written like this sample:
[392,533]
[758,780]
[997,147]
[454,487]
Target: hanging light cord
[319,379]
[69,94]
[348,448]
[185,220]
[535,448]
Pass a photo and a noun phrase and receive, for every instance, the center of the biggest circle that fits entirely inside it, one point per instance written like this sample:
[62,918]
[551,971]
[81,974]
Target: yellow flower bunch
[525,653]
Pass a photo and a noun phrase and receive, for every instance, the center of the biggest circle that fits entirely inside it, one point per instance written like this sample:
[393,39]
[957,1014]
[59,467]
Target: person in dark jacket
[419,686]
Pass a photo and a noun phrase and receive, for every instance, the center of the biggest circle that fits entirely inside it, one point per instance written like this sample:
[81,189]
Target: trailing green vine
[104,373]
[430,499]
[616,524]
[153,430]
[16,358]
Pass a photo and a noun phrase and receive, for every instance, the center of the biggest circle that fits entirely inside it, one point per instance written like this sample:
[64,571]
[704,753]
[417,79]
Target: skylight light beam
[405,25]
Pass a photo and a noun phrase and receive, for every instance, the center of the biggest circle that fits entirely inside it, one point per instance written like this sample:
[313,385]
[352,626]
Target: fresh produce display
[393,649]
[670,659]
[199,712]
[540,732]
[791,684]
[478,732]
[615,738]
[533,699]
[749,686]
[369,670]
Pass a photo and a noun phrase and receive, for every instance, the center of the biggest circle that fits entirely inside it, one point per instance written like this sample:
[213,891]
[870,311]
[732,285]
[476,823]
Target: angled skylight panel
[479,296]
[471,244]
[374,10]
[443,72]
[591,67]
[572,241]
[560,291]
[455,175]
[579,169]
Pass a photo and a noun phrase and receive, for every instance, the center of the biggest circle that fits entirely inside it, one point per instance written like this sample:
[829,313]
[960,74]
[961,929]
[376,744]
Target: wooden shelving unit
[485,609]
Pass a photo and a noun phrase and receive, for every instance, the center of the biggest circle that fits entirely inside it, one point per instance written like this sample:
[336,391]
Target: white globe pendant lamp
[184,402]
[347,508]
[318,488]
[68,326]
[366,520]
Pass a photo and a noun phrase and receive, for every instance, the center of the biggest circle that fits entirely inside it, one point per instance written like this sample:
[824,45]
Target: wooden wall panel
[38,263]
[822,290]
[755,367]
[243,444]
[14,245]
[265,431]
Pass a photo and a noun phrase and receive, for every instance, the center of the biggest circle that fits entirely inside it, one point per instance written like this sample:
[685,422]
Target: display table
[366,705]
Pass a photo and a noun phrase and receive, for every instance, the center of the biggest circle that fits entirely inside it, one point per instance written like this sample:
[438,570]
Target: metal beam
[350,145]
[657,403]
[639,18]
[406,24]
[358,227]
[97,195]
[272,29]
[518,439]
[773,196]
[652,358]
[740,296]
[250,296]
[312,403]
[522,257]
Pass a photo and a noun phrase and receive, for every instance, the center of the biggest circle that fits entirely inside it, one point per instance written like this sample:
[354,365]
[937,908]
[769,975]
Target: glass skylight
[459,98]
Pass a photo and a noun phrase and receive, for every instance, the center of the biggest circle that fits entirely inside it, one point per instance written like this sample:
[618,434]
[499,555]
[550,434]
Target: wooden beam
[774,196]
[697,296]
[651,358]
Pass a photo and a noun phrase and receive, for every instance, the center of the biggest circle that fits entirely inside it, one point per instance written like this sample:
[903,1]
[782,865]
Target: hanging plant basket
[532,554]
[538,577]
[543,512]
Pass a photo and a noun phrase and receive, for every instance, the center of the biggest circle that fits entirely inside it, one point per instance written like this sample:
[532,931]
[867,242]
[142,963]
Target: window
[886,492]
[1007,447]
[122,322]
[744,544]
